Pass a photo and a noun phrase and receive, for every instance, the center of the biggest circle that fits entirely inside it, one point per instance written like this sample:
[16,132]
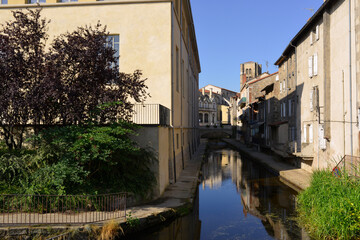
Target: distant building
[256,110]
[248,71]
[219,96]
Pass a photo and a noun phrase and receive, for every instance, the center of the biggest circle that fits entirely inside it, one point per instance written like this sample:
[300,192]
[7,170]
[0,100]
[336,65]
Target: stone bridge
[219,132]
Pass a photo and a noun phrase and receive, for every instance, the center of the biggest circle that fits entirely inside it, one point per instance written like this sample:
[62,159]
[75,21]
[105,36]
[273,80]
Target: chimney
[203,91]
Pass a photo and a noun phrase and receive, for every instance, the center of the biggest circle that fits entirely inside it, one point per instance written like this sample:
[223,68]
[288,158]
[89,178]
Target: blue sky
[230,32]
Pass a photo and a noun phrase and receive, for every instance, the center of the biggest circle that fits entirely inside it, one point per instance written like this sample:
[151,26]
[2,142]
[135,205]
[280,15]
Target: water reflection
[237,199]
[184,228]
[265,209]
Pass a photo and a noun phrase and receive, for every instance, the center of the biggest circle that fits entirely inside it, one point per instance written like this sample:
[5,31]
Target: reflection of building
[157,37]
[262,195]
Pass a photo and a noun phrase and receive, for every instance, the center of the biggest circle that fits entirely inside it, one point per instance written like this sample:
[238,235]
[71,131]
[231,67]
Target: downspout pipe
[172,88]
[296,93]
[350,85]
[181,86]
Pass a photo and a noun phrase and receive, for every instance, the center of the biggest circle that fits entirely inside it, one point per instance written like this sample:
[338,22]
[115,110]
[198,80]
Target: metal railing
[151,114]
[348,165]
[60,209]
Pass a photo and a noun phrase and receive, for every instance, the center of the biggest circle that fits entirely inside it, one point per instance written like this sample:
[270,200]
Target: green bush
[330,207]
[80,159]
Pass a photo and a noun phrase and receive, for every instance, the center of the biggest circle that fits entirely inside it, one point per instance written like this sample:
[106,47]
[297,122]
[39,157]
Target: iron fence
[348,165]
[60,209]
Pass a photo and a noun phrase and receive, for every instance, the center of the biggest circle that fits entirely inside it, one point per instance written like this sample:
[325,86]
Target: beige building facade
[158,38]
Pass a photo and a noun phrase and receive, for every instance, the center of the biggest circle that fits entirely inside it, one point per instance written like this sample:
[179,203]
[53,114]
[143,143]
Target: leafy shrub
[330,207]
[81,159]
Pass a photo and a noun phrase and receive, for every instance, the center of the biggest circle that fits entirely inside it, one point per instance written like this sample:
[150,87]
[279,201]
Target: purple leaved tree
[65,84]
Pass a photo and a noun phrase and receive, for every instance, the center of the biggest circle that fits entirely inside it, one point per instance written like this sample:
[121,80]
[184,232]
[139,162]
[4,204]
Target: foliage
[330,207]
[62,84]
[80,159]
[131,221]
[22,64]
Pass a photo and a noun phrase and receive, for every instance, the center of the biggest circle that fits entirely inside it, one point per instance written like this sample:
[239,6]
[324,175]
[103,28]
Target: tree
[22,61]
[63,85]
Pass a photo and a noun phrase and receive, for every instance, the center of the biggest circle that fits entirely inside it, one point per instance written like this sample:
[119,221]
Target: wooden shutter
[311,133]
[310,64]
[315,70]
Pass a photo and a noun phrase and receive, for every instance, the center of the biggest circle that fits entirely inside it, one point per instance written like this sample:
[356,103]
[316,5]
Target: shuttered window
[315,65]
[310,64]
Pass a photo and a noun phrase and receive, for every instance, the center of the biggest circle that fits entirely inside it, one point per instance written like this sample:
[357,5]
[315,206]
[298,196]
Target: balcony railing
[151,114]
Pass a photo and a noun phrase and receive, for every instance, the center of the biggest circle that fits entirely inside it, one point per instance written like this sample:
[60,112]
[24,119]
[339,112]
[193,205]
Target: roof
[221,88]
[207,91]
[256,80]
[304,30]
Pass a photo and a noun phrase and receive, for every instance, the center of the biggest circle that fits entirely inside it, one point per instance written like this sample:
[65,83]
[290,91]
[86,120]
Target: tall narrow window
[315,57]
[113,42]
[206,120]
[182,78]
[177,141]
[310,65]
[177,69]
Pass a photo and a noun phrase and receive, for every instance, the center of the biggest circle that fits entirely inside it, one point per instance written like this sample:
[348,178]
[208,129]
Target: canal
[237,199]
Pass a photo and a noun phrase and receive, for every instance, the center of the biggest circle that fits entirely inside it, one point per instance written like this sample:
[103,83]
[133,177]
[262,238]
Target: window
[183,139]
[32,1]
[177,69]
[4,1]
[281,87]
[250,71]
[310,65]
[206,120]
[290,110]
[67,0]
[283,109]
[314,35]
[315,63]
[182,77]
[247,71]
[292,134]
[284,85]
[113,42]
[177,141]
[307,133]
[200,117]
[269,105]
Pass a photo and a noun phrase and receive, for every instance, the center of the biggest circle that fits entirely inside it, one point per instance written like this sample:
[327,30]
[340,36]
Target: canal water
[237,199]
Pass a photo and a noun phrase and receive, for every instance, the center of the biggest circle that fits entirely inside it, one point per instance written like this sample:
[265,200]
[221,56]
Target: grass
[110,231]
[330,207]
